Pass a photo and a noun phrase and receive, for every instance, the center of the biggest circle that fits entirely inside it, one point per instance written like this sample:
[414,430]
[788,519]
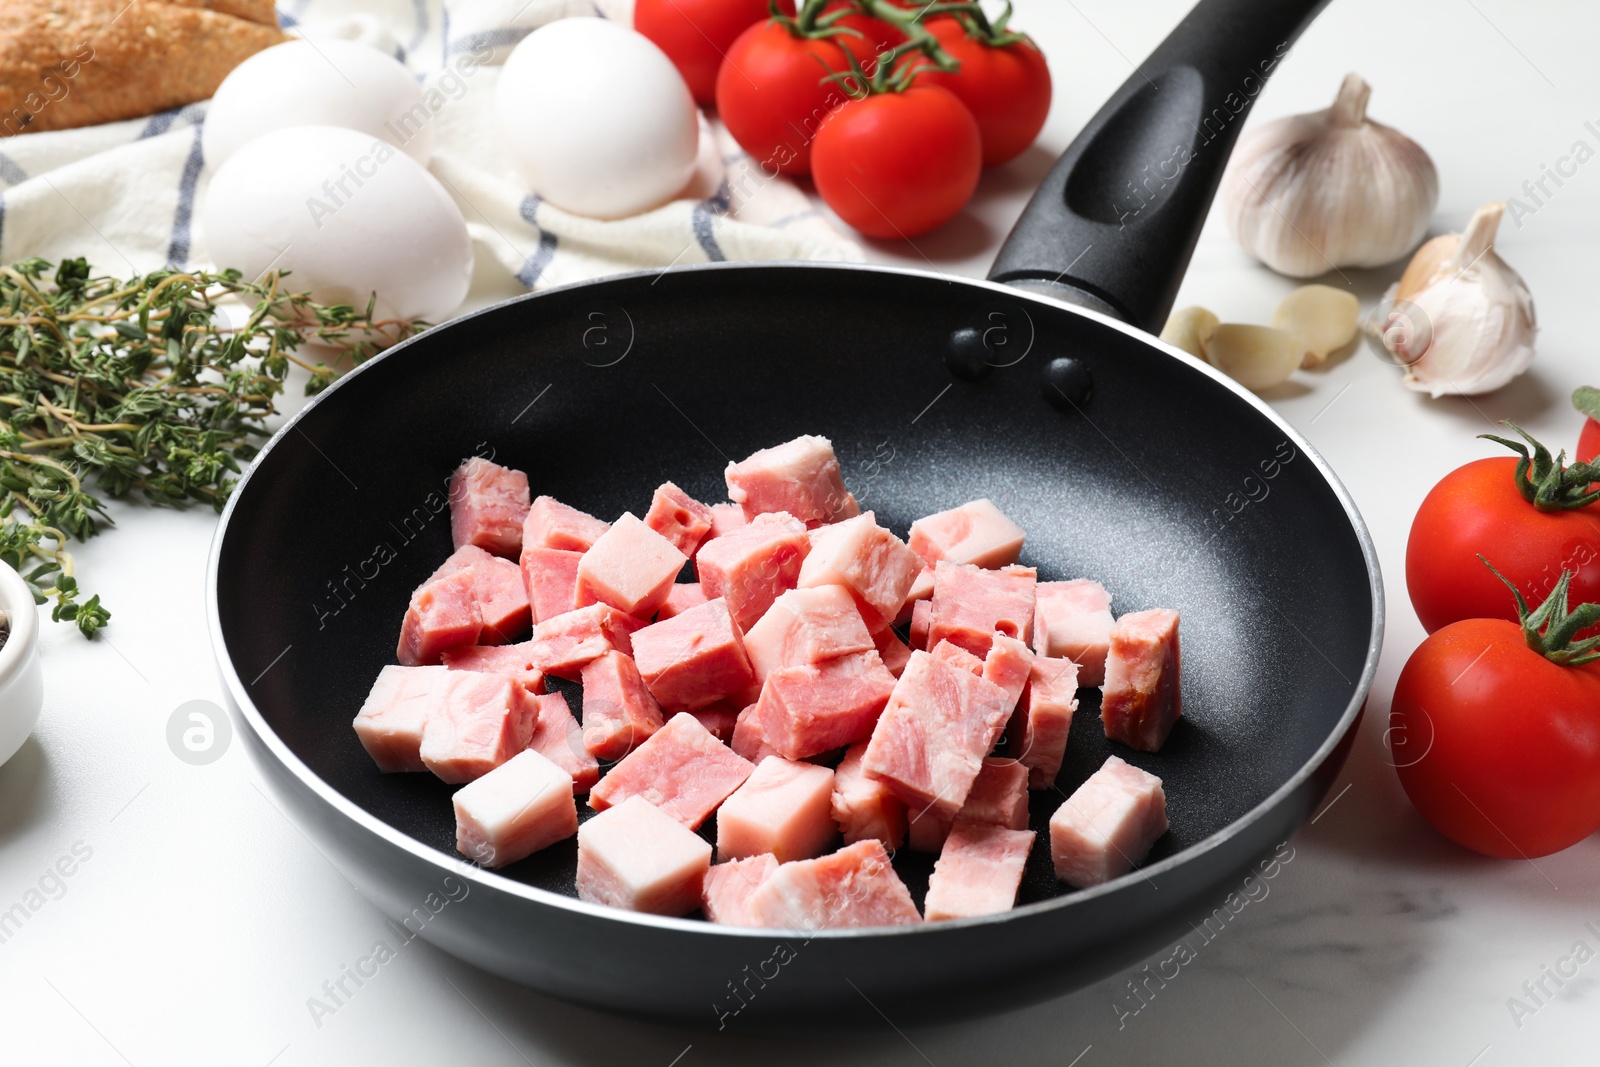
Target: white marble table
[201,920]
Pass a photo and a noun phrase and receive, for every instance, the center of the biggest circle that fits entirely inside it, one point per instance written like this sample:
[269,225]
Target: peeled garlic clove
[1309,193]
[1463,320]
[1257,357]
[1189,328]
[1323,318]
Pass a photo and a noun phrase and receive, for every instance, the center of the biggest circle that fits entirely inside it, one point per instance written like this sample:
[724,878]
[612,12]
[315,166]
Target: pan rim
[494,881]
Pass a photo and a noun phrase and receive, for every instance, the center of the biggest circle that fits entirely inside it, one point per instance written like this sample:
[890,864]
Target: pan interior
[1165,486]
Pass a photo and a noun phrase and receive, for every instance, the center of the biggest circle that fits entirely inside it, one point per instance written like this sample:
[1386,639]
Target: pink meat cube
[971,605]
[999,796]
[498,587]
[978,871]
[921,589]
[511,661]
[631,567]
[801,477]
[750,566]
[513,811]
[552,524]
[681,769]
[563,645]
[725,893]
[391,721]
[930,740]
[864,807]
[894,652]
[680,598]
[483,721]
[633,856]
[953,654]
[551,578]
[488,504]
[725,518]
[694,659]
[619,714]
[784,808]
[442,615]
[806,626]
[720,719]
[1009,664]
[873,564]
[1107,825]
[810,709]
[748,738]
[977,533]
[1072,620]
[678,517]
[1141,700]
[853,887]
[1037,735]
[921,621]
[557,737]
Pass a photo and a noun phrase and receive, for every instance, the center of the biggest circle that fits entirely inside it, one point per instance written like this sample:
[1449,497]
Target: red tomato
[1589,442]
[1497,746]
[876,35]
[773,95]
[696,34]
[1006,88]
[898,164]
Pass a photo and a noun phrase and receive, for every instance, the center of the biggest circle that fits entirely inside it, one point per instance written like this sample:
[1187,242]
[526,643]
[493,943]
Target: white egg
[328,82]
[596,118]
[349,214]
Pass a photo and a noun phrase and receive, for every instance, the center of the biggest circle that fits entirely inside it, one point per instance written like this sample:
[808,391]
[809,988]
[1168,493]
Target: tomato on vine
[1003,79]
[696,34]
[1587,400]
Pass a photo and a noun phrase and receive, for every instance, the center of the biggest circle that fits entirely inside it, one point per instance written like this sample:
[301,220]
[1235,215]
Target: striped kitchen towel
[124,194]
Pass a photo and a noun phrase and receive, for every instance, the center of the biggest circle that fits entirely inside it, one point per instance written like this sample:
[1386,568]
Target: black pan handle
[1115,222]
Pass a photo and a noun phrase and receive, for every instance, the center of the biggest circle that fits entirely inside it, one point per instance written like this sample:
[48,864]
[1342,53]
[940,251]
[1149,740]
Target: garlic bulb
[1460,319]
[1309,193]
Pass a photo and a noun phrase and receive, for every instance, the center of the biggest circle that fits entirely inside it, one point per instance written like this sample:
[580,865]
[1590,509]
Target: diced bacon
[977,533]
[864,807]
[482,722]
[1141,700]
[1072,620]
[513,811]
[801,477]
[806,626]
[510,661]
[680,598]
[953,654]
[1037,735]
[498,587]
[748,739]
[488,504]
[631,567]
[810,709]
[784,808]
[725,518]
[563,645]
[751,565]
[921,622]
[921,589]
[725,893]
[1107,825]
[551,578]
[681,769]
[930,740]
[634,856]
[971,605]
[619,713]
[720,719]
[999,796]
[557,737]
[678,517]
[978,872]
[1009,664]
[552,524]
[442,615]
[693,659]
[853,887]
[871,563]
[391,721]
[894,652]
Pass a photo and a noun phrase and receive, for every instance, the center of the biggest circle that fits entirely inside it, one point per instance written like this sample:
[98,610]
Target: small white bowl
[21,678]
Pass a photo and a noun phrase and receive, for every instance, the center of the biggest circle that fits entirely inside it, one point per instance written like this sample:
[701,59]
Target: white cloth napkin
[124,194]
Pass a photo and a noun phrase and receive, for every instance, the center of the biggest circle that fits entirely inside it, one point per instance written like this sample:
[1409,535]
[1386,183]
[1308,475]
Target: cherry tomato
[696,34]
[1007,88]
[1497,746]
[773,95]
[876,35]
[1589,442]
[898,164]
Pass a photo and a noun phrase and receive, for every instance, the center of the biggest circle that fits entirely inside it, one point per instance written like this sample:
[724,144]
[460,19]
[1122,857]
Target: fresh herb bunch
[143,384]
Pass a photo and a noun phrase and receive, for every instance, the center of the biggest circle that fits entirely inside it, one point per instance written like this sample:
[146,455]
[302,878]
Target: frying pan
[1123,458]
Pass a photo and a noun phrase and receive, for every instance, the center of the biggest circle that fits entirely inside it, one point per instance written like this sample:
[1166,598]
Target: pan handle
[1116,221]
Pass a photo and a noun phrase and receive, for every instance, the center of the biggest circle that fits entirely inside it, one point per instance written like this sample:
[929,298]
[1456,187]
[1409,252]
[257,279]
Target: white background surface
[203,920]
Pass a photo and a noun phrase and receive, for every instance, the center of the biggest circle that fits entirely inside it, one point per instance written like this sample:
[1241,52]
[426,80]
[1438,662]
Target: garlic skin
[1306,194]
[1461,320]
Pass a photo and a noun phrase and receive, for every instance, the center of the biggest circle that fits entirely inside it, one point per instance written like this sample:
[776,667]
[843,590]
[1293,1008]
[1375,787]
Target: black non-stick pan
[1124,459]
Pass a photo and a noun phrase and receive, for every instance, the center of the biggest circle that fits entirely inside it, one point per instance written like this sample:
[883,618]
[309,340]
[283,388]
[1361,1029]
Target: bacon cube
[680,598]
[751,565]
[498,587]
[719,719]
[725,518]
[633,856]
[442,615]
[1141,700]
[557,737]
[978,872]
[552,524]
[631,567]
[801,477]
[725,893]
[853,887]
[956,656]
[921,589]
[894,652]
[488,504]
[551,578]
[562,646]
[784,808]
[1072,620]
[977,533]
[396,711]
[695,659]
[806,626]
[513,811]
[510,661]
[619,714]
[999,796]
[1009,664]
[811,709]
[1037,734]
[678,517]
[864,807]
[681,769]
[749,740]
[921,622]
[482,722]
[971,605]
[871,563]
[1107,825]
